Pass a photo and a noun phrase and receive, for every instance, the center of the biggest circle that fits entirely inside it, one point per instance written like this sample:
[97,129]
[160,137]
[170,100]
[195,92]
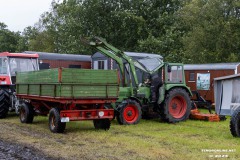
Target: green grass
[150,139]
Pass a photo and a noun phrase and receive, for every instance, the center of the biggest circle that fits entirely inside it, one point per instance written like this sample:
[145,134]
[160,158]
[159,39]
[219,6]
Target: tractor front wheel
[4,103]
[235,123]
[129,113]
[177,106]
[54,121]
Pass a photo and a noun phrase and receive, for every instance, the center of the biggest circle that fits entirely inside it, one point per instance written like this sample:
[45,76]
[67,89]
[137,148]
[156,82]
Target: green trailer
[67,95]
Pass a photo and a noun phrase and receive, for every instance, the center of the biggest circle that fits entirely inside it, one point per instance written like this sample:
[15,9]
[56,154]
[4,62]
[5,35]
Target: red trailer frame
[66,110]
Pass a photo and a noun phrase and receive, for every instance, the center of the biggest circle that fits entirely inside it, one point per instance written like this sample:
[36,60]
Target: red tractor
[10,64]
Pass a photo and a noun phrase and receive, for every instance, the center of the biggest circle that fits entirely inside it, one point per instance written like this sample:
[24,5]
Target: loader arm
[110,51]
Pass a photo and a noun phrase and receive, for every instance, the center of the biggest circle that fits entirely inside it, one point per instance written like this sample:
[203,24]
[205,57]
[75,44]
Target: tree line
[188,31]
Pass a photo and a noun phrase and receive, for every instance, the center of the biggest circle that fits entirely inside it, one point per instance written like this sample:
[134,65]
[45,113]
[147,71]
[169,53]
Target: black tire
[26,113]
[4,103]
[177,106]
[102,124]
[235,123]
[129,113]
[54,121]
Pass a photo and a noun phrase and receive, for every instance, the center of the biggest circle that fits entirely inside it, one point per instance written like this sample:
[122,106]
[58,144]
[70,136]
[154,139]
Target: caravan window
[74,66]
[100,64]
[191,76]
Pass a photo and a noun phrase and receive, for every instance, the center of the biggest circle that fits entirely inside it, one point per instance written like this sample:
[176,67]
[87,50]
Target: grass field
[150,139]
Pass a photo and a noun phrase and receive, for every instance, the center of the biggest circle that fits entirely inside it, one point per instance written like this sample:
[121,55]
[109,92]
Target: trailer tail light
[101,114]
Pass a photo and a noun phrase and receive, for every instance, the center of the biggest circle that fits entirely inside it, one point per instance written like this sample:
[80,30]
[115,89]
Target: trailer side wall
[69,83]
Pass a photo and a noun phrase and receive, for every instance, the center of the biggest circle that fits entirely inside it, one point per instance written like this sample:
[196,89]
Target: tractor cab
[149,65]
[148,68]
[11,63]
[155,76]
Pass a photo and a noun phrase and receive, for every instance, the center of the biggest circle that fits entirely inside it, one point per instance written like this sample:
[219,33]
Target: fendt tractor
[10,63]
[147,85]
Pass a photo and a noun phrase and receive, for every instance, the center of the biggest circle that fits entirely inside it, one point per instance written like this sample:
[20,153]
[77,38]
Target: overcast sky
[18,14]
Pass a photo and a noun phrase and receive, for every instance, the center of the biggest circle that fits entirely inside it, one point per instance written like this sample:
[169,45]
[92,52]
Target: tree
[213,31]
[8,39]
[73,19]
[189,31]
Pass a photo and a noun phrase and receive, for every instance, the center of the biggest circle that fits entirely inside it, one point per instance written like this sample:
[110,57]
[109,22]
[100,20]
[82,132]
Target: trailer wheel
[26,113]
[4,103]
[54,121]
[129,113]
[102,124]
[177,106]
[235,123]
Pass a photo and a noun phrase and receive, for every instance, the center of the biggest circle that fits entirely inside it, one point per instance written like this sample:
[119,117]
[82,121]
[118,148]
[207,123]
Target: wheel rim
[52,122]
[130,113]
[178,107]
[22,114]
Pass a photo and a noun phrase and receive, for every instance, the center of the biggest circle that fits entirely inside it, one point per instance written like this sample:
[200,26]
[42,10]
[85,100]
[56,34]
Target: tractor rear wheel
[177,106]
[235,123]
[102,124]
[129,113]
[54,121]
[4,103]
[26,113]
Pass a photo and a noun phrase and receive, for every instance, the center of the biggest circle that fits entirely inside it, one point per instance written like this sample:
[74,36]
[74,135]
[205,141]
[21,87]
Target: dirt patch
[13,151]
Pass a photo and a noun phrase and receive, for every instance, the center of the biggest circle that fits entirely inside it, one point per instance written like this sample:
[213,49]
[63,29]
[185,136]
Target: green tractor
[147,85]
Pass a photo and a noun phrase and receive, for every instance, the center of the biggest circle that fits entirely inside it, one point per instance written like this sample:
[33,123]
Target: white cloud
[18,14]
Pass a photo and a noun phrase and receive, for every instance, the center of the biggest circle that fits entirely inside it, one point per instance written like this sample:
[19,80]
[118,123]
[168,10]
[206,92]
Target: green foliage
[164,31]
[213,31]
[8,39]
[126,24]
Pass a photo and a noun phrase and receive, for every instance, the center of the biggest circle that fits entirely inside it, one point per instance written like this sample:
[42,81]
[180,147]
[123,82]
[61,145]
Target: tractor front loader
[147,84]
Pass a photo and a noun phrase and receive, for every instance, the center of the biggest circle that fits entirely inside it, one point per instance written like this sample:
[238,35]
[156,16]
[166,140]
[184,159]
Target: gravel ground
[11,151]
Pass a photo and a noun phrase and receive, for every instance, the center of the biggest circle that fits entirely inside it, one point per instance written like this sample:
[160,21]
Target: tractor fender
[170,87]
[164,90]
[118,107]
[137,100]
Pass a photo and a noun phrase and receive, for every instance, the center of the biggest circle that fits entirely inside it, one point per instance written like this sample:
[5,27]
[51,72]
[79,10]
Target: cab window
[174,74]
[3,65]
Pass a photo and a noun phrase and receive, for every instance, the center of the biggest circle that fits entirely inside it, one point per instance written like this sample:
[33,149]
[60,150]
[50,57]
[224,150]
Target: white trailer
[227,100]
